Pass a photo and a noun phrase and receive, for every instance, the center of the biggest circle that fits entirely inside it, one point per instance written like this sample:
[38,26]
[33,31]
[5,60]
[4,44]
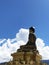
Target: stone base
[26,58]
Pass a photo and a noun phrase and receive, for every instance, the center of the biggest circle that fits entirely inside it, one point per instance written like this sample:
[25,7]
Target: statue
[30,45]
[32,38]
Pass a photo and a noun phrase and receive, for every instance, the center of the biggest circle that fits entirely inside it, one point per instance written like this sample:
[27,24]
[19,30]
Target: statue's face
[30,31]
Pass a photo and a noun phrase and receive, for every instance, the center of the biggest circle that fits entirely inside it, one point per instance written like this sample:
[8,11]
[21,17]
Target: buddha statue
[32,38]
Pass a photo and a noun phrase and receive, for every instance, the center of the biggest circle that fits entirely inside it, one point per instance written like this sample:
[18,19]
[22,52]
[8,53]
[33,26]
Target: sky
[18,14]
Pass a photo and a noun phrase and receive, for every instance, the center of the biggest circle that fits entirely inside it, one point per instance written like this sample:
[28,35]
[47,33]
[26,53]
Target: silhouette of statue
[30,46]
[32,38]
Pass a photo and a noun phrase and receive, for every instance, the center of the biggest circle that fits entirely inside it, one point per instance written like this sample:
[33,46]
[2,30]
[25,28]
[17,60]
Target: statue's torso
[32,38]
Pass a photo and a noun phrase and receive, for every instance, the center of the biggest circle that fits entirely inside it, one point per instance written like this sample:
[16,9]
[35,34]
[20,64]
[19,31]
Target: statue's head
[31,30]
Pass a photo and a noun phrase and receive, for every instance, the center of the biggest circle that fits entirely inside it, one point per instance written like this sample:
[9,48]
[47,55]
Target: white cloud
[2,40]
[42,48]
[11,45]
[22,35]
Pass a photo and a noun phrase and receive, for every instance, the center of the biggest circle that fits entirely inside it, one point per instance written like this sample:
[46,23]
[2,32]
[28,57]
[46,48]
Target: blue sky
[16,14]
